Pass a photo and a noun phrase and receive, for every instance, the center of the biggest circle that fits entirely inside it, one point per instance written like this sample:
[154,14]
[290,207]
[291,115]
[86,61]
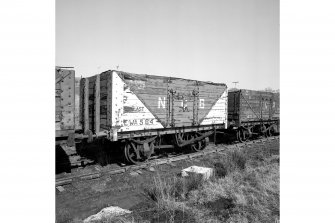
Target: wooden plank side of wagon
[103,101]
[209,93]
[276,106]
[213,98]
[77,104]
[172,100]
[233,107]
[84,94]
[97,105]
[249,105]
[256,105]
[91,102]
[150,90]
[154,94]
[65,100]
[183,100]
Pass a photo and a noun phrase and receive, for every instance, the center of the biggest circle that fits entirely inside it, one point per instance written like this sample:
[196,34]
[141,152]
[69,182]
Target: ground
[257,181]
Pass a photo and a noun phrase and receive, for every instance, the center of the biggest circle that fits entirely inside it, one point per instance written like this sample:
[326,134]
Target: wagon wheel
[135,154]
[268,131]
[264,131]
[250,132]
[272,130]
[242,135]
[125,151]
[181,137]
[199,146]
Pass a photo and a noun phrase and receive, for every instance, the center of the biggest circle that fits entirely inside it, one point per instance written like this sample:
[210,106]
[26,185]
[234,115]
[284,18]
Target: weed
[251,195]
[63,216]
[173,189]
[220,169]
[234,160]
[192,182]
[245,189]
[169,196]
[238,159]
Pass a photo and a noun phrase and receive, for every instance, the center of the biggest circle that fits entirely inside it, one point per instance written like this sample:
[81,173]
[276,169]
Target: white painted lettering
[161,102]
[201,103]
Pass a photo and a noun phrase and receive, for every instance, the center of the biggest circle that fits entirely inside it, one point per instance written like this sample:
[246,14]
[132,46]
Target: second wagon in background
[253,113]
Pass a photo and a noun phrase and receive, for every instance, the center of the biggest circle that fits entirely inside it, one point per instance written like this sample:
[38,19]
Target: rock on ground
[106,213]
[205,172]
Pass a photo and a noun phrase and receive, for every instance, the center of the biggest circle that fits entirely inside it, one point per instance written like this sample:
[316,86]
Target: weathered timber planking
[97,105]
[151,91]
[148,87]
[103,98]
[260,102]
[184,90]
[85,105]
[139,94]
[58,101]
[103,110]
[65,99]
[109,98]
[81,101]
[103,122]
[103,117]
[143,103]
[77,104]
[248,105]
[104,75]
[218,112]
[92,100]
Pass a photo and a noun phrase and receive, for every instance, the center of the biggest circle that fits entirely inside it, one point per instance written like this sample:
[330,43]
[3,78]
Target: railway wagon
[65,106]
[253,113]
[148,112]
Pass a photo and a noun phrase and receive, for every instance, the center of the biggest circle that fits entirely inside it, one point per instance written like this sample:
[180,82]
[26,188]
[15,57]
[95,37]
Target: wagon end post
[214,135]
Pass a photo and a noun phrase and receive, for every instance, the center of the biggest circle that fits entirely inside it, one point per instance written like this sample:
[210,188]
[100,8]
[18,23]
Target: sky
[209,40]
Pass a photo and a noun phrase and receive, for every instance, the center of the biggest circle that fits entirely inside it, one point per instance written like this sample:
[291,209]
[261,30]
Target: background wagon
[253,112]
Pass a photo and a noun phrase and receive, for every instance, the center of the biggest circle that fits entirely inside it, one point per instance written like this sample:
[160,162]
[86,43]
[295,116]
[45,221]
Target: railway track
[209,150]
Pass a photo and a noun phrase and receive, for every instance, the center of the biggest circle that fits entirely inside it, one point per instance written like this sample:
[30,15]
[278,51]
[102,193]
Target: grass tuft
[172,189]
[234,160]
[63,216]
[170,195]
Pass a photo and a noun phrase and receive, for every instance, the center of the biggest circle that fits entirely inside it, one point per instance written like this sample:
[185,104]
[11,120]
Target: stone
[171,164]
[205,172]
[151,169]
[134,174]
[106,213]
[60,188]
[99,186]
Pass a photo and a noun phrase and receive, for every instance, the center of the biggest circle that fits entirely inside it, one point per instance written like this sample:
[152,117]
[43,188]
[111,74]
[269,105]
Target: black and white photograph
[167,111]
